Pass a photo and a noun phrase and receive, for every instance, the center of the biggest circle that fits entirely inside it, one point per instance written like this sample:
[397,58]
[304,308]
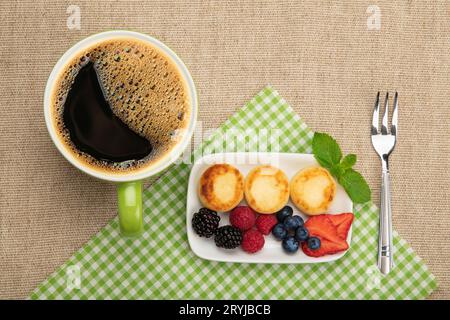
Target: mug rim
[162,163]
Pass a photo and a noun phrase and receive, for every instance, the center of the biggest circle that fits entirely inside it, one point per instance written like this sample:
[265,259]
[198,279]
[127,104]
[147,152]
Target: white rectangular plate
[272,252]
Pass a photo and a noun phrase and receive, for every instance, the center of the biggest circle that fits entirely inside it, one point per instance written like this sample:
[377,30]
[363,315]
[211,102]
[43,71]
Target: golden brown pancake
[221,187]
[313,190]
[266,189]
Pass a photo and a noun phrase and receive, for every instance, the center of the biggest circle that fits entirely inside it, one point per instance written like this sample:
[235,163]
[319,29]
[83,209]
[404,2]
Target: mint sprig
[329,155]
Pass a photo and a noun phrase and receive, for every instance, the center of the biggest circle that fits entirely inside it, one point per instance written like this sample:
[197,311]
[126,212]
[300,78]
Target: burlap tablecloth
[324,59]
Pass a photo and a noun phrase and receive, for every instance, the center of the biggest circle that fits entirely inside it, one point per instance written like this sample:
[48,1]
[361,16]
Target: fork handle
[385,248]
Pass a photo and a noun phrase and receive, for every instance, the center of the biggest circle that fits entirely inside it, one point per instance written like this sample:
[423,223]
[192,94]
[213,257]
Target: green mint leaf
[348,161]
[356,187]
[337,171]
[326,150]
[328,154]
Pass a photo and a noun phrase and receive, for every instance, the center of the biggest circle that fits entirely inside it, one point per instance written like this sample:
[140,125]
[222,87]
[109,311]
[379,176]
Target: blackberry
[205,222]
[228,237]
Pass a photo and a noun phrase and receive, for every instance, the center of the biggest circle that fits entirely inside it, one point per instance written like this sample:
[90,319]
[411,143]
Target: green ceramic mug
[129,185]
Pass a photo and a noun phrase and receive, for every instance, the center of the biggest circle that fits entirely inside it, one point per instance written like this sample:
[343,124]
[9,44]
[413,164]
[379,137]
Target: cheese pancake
[266,189]
[313,190]
[221,187]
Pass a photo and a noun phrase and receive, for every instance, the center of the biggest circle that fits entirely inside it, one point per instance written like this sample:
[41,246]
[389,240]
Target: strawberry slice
[326,247]
[342,222]
[322,226]
[331,242]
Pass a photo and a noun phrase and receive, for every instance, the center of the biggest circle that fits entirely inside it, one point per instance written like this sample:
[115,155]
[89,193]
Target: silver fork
[384,143]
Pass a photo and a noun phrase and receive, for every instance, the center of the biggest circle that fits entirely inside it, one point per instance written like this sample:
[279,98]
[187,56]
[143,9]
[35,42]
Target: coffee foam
[144,89]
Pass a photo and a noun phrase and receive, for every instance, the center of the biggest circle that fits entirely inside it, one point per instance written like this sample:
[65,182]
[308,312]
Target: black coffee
[120,105]
[92,125]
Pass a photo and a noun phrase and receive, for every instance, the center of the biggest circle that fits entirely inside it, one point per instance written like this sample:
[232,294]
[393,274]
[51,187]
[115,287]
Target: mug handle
[129,198]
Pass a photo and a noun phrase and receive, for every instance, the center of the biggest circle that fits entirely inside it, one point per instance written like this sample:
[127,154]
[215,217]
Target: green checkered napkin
[160,264]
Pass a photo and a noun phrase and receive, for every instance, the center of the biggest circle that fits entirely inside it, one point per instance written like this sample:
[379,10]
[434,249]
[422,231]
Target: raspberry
[265,223]
[252,241]
[242,218]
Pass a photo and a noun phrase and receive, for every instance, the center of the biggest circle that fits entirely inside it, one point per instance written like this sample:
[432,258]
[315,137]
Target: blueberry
[292,223]
[301,234]
[313,243]
[284,213]
[290,244]
[300,220]
[279,231]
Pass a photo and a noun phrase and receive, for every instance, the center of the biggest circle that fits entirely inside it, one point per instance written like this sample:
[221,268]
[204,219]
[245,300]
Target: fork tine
[395,116]
[376,113]
[384,122]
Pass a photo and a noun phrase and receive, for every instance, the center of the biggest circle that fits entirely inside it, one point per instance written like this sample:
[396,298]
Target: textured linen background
[320,56]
